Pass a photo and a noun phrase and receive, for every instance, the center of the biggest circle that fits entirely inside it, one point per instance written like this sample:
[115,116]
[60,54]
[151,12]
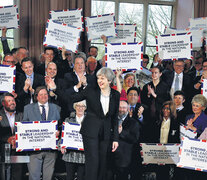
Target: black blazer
[128,138]
[24,98]
[181,115]
[70,80]
[187,87]
[162,92]
[95,120]
[187,82]
[174,132]
[195,81]
[5,130]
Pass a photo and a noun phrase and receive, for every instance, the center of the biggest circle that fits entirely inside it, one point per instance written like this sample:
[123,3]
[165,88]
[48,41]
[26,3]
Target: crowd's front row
[111,129]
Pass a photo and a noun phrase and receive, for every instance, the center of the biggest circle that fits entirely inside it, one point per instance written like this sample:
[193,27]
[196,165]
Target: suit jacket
[23,98]
[128,138]
[187,87]
[95,120]
[200,123]
[181,115]
[5,129]
[5,46]
[162,92]
[59,98]
[187,82]
[40,69]
[195,81]
[70,80]
[32,112]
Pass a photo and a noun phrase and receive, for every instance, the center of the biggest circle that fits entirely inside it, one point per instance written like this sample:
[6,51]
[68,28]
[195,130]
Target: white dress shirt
[180,77]
[11,119]
[105,103]
[46,105]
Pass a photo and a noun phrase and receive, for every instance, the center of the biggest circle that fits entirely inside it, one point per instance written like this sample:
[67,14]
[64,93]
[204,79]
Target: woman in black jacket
[153,95]
[100,125]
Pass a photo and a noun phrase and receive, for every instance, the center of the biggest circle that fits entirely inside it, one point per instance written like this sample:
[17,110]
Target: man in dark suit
[177,80]
[41,111]
[48,56]
[138,113]
[55,88]
[128,139]
[78,79]
[27,83]
[8,117]
[9,60]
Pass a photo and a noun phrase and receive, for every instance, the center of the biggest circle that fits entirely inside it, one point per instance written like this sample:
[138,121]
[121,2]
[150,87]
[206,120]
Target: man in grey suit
[8,117]
[41,111]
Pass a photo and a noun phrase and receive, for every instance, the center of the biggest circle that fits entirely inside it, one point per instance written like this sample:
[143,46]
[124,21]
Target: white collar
[45,105]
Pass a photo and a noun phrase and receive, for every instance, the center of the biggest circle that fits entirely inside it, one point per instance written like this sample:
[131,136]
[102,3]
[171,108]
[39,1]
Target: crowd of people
[114,116]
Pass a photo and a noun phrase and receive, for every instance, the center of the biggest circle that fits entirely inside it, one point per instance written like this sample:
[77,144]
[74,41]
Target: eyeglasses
[166,108]
[79,106]
[180,66]
[67,54]
[10,62]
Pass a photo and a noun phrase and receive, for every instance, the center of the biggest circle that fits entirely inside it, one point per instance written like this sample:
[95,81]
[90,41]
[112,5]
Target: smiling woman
[100,125]
[197,121]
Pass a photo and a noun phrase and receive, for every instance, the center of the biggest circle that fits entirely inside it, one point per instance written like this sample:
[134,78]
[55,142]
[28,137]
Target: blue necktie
[43,115]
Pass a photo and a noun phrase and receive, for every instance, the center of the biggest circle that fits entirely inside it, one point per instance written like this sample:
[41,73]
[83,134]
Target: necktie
[43,115]
[132,108]
[176,83]
[198,73]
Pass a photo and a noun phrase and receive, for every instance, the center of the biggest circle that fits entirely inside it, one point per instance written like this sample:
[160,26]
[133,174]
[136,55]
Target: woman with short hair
[100,125]
[197,121]
[75,160]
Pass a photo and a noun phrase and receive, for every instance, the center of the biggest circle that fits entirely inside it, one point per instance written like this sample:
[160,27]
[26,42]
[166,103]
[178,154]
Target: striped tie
[43,115]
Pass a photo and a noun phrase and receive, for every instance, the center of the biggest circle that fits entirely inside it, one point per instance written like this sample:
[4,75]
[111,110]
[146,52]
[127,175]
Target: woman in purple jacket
[197,121]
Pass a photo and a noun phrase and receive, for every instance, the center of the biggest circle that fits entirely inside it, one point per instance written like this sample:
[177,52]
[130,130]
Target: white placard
[126,33]
[36,136]
[71,138]
[127,56]
[58,35]
[174,46]
[96,26]
[197,35]
[193,154]
[187,132]
[71,17]
[160,153]
[9,17]
[198,22]
[7,78]
[204,87]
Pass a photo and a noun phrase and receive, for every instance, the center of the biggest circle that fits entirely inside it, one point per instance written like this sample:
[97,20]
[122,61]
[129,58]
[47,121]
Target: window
[10,32]
[150,16]
[98,8]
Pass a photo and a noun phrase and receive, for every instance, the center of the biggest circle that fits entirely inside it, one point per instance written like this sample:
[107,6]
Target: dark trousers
[96,158]
[12,171]
[122,173]
[72,168]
